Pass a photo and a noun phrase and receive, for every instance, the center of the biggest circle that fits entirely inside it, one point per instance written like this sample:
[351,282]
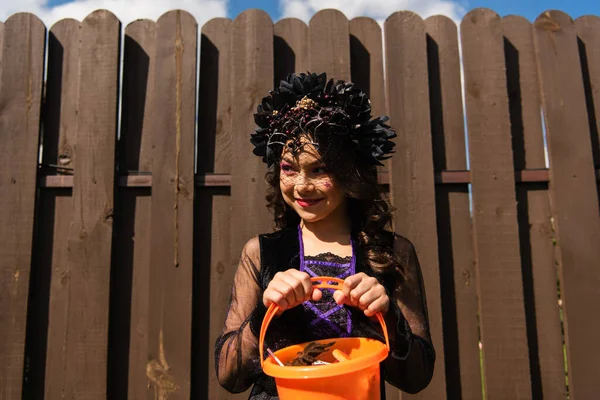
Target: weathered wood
[366,65]
[502,317]
[224,180]
[535,231]
[412,183]
[21,82]
[1,41]
[588,31]
[252,61]
[458,284]
[290,48]
[330,44]
[214,205]
[90,236]
[55,211]
[576,216]
[171,240]
[130,282]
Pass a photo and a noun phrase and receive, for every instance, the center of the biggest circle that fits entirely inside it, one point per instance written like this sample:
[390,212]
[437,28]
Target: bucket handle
[319,282]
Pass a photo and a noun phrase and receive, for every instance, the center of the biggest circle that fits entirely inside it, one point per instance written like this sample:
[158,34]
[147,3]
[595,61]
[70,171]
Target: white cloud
[376,9]
[126,10]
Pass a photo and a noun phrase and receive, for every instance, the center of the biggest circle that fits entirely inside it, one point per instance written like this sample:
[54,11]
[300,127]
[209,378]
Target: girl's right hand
[290,288]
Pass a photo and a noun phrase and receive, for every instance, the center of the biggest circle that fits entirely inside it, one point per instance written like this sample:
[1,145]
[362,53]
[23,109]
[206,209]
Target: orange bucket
[355,377]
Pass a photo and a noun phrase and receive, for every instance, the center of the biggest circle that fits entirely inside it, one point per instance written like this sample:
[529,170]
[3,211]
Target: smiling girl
[322,148]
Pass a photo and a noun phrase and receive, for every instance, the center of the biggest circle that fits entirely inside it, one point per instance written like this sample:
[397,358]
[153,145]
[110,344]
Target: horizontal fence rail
[128,190]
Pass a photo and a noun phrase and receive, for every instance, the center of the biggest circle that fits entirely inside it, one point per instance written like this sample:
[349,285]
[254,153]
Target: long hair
[369,210]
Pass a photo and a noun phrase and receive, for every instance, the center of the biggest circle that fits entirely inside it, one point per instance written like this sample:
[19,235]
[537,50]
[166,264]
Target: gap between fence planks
[455,241]
[130,280]
[497,253]
[412,174]
[544,333]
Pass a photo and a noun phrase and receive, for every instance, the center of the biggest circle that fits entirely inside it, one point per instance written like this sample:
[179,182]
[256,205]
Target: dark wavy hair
[369,210]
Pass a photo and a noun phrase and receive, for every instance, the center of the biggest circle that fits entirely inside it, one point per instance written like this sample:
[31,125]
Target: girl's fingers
[286,291]
[274,297]
[304,279]
[363,287]
[297,294]
[351,282]
[339,297]
[316,295]
[382,305]
[367,298]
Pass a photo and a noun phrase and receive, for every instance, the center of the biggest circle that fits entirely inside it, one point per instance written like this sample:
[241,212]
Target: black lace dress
[410,364]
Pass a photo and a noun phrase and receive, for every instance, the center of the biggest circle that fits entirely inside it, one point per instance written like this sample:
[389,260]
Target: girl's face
[306,185]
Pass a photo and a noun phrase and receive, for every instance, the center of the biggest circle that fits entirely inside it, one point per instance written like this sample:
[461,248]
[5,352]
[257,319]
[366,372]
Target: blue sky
[50,11]
[527,8]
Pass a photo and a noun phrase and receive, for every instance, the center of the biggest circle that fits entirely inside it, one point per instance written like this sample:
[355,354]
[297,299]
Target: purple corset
[328,319]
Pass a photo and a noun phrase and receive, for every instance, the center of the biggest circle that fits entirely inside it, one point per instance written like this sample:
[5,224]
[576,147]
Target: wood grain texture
[21,81]
[502,317]
[1,41]
[457,269]
[214,149]
[252,71]
[56,208]
[412,183]
[366,65]
[171,252]
[535,231]
[330,44]
[90,237]
[130,281]
[572,171]
[588,39]
[291,48]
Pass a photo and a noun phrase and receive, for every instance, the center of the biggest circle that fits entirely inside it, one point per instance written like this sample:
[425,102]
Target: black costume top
[410,364]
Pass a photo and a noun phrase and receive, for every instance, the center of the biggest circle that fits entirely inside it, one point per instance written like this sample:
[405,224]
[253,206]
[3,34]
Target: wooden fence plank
[412,183]
[252,78]
[90,238]
[330,44]
[290,47]
[588,31]
[21,80]
[50,283]
[502,317]
[1,41]
[366,64]
[130,281]
[458,284]
[214,208]
[169,324]
[577,217]
[535,231]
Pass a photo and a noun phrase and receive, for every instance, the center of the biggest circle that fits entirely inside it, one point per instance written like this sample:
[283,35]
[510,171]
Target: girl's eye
[287,168]
[320,170]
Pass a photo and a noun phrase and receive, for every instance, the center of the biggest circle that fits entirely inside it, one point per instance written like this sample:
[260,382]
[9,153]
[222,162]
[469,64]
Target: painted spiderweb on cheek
[305,174]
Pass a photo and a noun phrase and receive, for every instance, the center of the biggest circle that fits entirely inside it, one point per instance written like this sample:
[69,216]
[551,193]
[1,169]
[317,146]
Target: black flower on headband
[308,103]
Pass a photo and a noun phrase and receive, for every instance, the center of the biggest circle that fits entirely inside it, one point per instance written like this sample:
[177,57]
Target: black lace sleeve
[236,350]
[410,364]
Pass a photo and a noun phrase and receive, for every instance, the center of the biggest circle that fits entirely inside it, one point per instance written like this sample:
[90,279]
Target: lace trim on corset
[329,257]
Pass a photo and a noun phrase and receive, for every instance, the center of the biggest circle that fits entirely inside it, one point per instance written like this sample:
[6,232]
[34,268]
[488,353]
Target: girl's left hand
[364,292]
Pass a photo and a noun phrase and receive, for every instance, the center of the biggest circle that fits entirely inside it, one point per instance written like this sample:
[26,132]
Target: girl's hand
[363,292]
[290,288]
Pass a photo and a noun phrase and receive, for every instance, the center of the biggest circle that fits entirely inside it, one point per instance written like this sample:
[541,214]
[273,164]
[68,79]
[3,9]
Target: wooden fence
[117,252]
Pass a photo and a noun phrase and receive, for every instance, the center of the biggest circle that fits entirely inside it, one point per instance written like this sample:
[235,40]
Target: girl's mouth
[308,202]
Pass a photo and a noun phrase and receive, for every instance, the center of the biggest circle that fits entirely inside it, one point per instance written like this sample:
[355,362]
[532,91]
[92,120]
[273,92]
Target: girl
[321,148]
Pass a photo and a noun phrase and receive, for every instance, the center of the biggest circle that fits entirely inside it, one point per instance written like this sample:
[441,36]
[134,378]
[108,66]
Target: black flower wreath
[306,103]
